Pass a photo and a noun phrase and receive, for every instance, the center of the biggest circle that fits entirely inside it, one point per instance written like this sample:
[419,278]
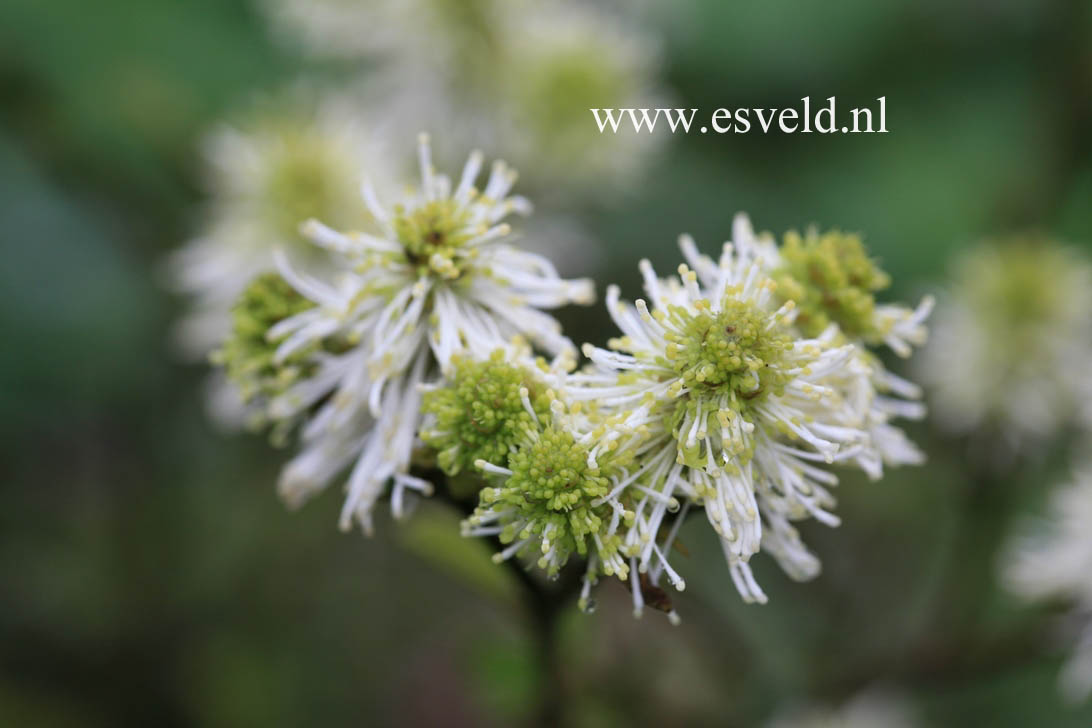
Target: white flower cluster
[1054,560]
[739,411]
[290,160]
[538,67]
[733,390]
[1011,344]
[438,278]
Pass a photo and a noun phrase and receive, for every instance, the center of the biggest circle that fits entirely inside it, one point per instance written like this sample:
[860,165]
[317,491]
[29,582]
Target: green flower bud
[832,280]
[247,354]
[479,414]
[555,498]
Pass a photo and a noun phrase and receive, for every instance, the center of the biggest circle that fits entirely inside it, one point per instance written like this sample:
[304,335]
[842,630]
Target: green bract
[832,280]
[553,491]
[479,414]
[247,354]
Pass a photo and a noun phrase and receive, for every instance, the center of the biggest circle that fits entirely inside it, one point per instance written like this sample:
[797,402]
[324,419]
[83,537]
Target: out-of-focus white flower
[739,410]
[264,179]
[1012,343]
[556,62]
[435,31]
[1054,560]
[870,709]
[538,67]
[438,279]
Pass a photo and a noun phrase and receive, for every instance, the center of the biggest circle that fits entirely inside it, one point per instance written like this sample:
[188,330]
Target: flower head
[736,405]
[440,32]
[556,500]
[539,66]
[265,177]
[437,280]
[1012,341]
[1055,560]
[833,281]
[557,61]
[567,489]
[482,412]
[249,357]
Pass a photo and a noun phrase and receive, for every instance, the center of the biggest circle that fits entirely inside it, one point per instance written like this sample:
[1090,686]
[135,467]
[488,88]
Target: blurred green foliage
[149,574]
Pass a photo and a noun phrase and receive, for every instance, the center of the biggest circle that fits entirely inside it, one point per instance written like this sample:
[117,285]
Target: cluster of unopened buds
[737,387]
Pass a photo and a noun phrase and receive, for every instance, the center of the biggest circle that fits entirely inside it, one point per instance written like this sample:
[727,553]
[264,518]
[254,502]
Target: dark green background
[148,574]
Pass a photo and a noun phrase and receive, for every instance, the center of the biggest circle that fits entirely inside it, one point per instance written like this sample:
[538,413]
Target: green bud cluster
[438,228]
[727,360]
[727,352]
[479,413]
[247,354]
[831,279]
[553,490]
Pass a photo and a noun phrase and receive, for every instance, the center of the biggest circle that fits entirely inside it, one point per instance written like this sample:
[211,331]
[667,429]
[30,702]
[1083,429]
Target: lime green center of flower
[832,280]
[1019,284]
[734,352]
[728,361]
[247,354]
[553,491]
[553,475]
[480,413]
[306,180]
[557,92]
[433,235]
